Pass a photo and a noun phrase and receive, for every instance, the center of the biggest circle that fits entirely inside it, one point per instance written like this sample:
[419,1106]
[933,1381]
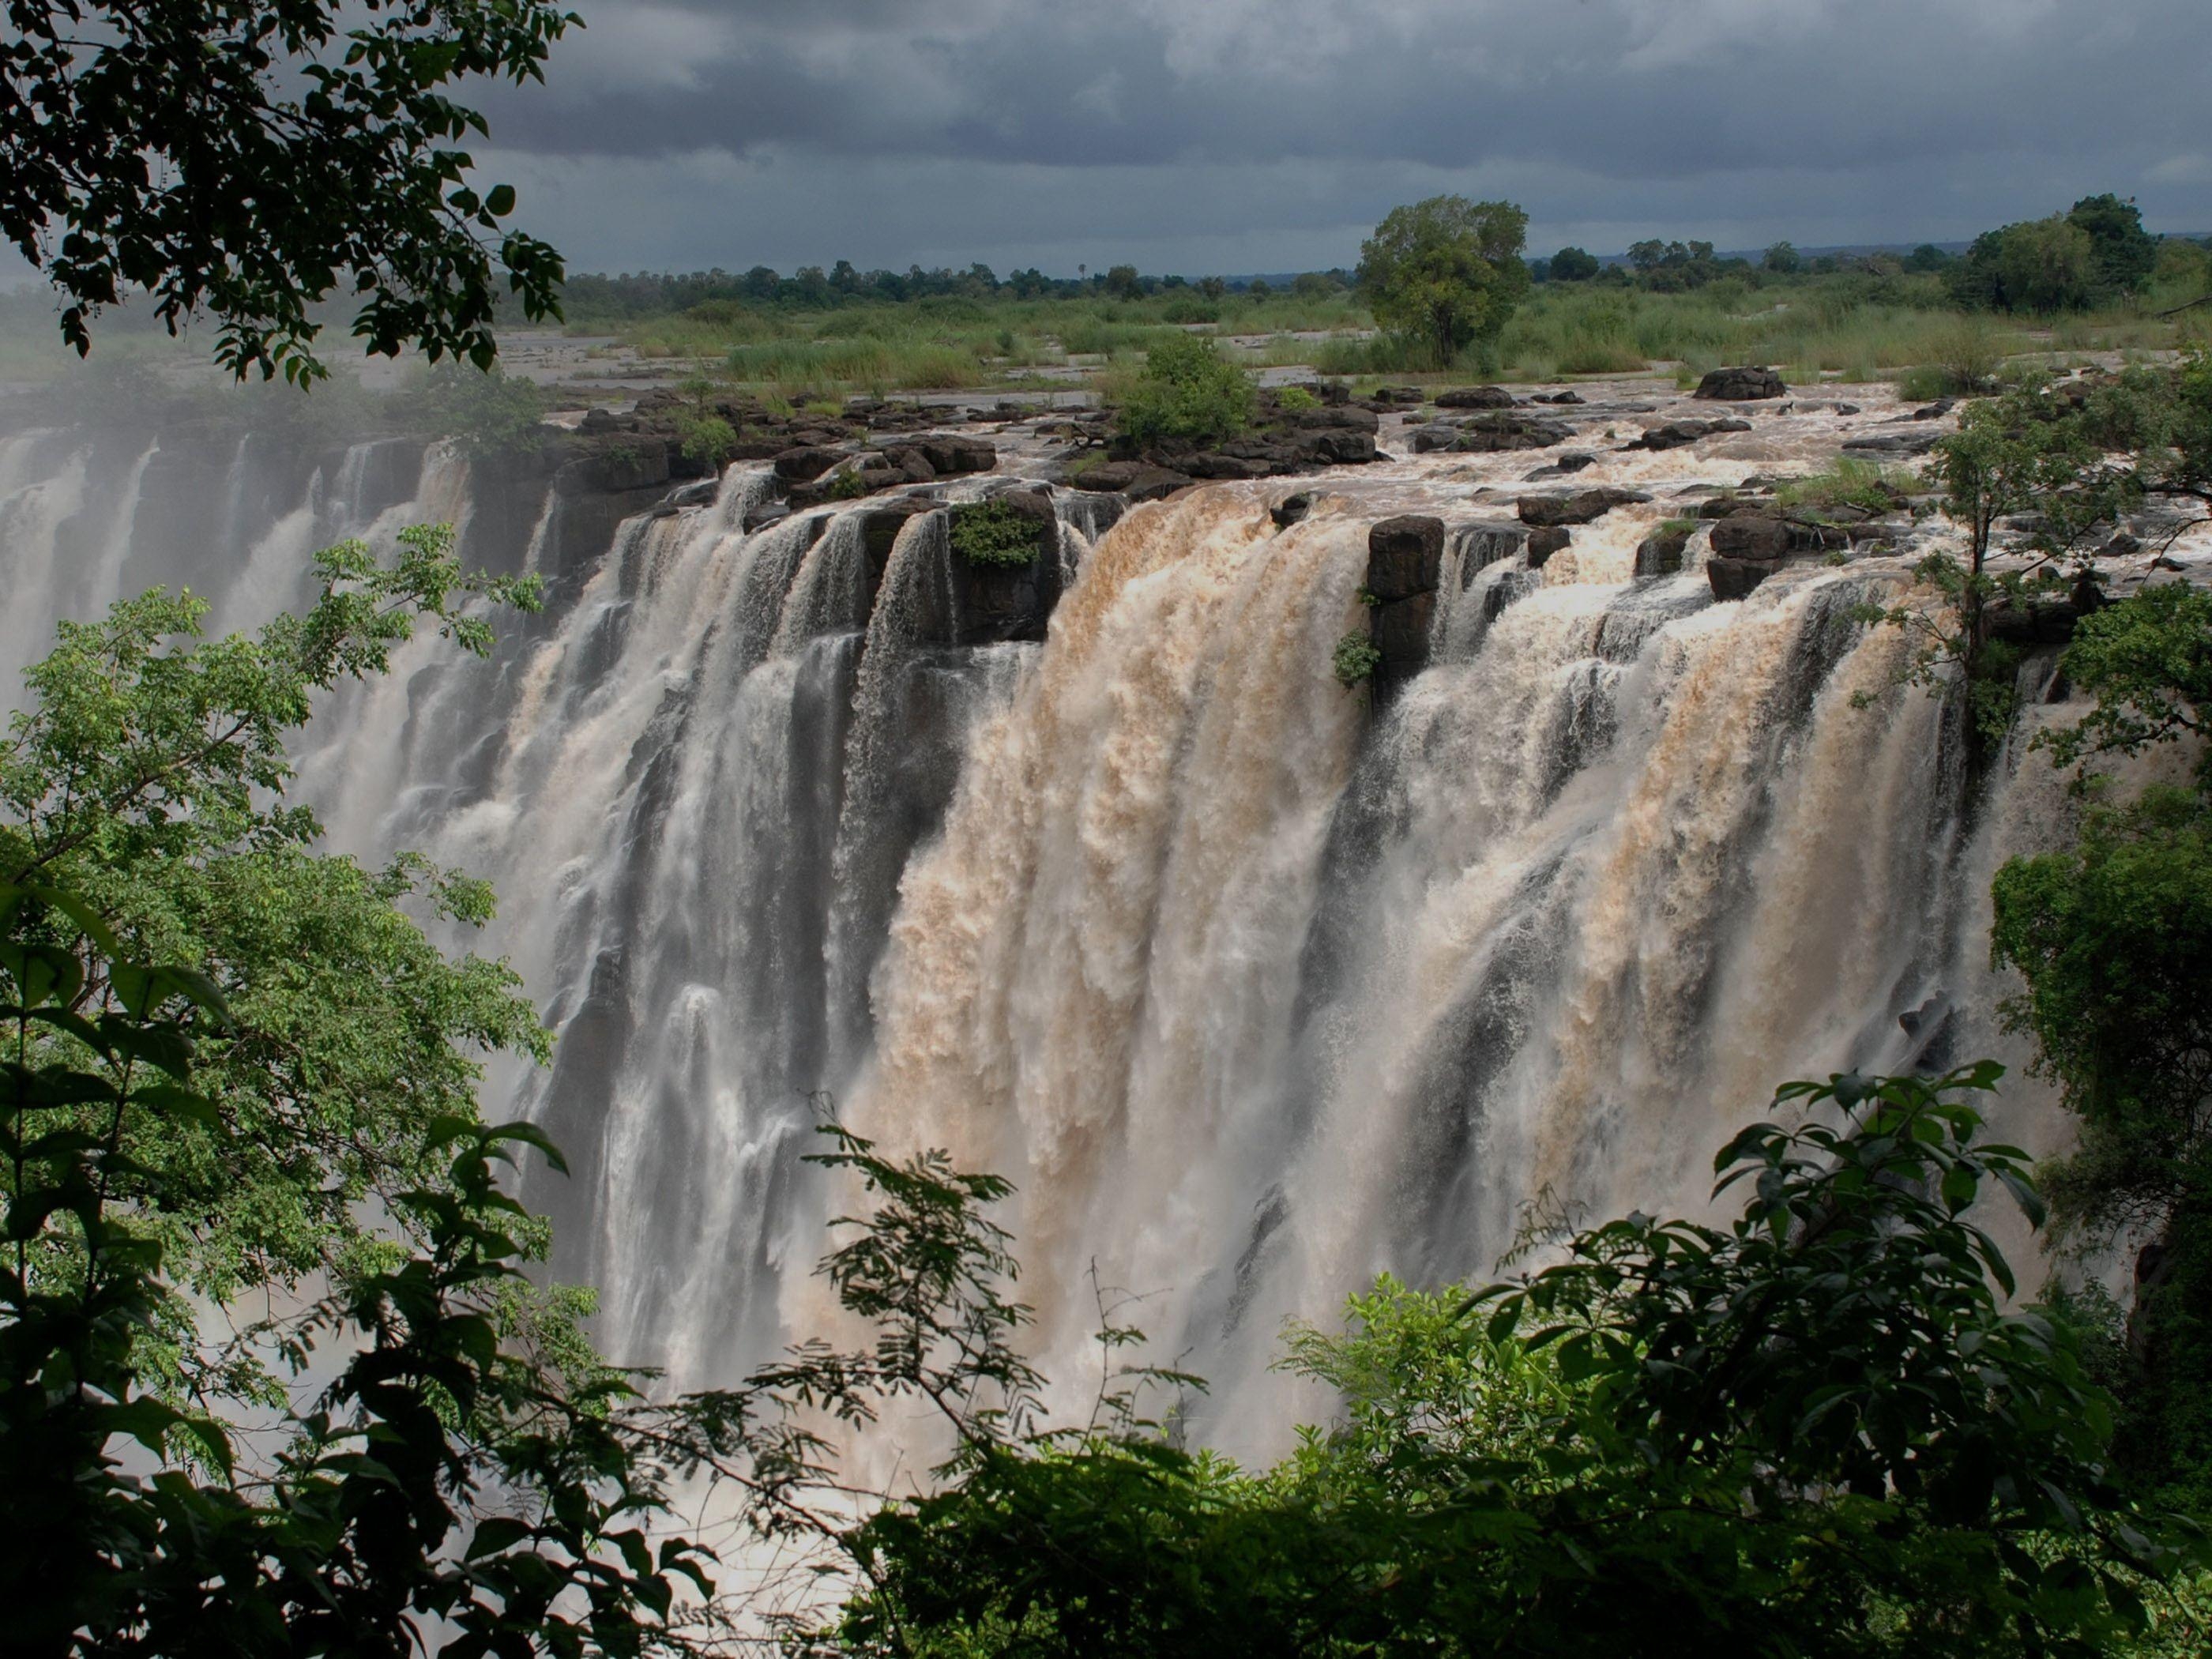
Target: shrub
[1357,658]
[1188,390]
[1297,398]
[704,437]
[993,533]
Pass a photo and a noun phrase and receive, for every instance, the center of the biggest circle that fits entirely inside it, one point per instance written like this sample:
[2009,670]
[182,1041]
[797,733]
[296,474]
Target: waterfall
[1254,986]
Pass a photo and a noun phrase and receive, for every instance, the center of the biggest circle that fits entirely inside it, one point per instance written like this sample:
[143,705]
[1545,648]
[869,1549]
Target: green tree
[1187,392]
[1447,272]
[2011,455]
[247,159]
[1122,283]
[1815,1430]
[2124,253]
[2112,937]
[1783,260]
[1573,264]
[448,1477]
[148,773]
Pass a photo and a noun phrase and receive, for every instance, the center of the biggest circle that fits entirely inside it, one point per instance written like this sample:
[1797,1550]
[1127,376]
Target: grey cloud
[1893,118]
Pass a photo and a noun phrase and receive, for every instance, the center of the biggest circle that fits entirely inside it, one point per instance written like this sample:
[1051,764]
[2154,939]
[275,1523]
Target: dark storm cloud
[682,131]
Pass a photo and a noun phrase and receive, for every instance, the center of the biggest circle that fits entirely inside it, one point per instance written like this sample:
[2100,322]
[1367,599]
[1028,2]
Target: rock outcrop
[1676,434]
[1740,385]
[1547,512]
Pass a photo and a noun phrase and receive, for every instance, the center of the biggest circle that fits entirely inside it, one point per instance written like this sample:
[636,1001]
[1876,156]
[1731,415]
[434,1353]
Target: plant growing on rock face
[1297,399]
[1187,391]
[1448,271]
[2018,454]
[990,533]
[1357,658]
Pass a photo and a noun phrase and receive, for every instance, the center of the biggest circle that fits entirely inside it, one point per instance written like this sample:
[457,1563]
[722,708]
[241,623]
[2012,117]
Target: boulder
[956,452]
[1138,480]
[804,463]
[1292,509]
[1661,554]
[1404,556]
[1732,578]
[1475,396]
[1484,435]
[1397,394]
[1676,434]
[1542,544]
[1546,512]
[1574,461]
[1740,385]
[1335,446]
[1748,534]
[1569,396]
[598,421]
[879,528]
[1892,443]
[1936,411]
[1344,415]
[1400,630]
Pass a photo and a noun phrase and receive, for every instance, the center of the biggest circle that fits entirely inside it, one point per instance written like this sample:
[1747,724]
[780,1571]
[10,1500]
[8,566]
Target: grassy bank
[1849,326]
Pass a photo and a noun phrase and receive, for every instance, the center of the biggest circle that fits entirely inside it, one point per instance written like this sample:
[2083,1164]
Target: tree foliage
[148,773]
[247,159]
[1187,391]
[1446,272]
[1816,1431]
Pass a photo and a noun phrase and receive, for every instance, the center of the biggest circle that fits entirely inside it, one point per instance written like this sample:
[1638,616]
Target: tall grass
[1851,328]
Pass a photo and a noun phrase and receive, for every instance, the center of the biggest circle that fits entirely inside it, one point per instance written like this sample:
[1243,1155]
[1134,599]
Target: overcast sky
[1201,136]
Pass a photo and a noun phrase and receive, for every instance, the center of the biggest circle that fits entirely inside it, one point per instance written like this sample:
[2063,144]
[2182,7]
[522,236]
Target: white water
[1253,992]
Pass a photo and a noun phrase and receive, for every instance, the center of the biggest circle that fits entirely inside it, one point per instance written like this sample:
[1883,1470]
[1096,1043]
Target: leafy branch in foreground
[147,775]
[248,159]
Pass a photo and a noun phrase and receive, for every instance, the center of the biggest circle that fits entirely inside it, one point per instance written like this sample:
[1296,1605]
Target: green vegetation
[993,533]
[1816,1429]
[1848,484]
[1446,273]
[1187,392]
[2096,253]
[1357,658]
[248,161]
[2113,937]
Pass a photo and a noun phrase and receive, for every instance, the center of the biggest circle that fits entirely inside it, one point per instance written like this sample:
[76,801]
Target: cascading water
[1255,991]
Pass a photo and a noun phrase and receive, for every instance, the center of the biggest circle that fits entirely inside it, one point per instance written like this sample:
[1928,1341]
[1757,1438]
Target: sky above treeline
[1234,136]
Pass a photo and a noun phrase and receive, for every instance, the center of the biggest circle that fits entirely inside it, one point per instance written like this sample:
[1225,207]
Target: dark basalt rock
[1138,480]
[1343,416]
[1489,434]
[1400,630]
[1559,398]
[1404,556]
[598,421]
[1545,542]
[1546,512]
[1752,535]
[1397,394]
[1732,578]
[804,463]
[954,454]
[1740,385]
[1335,446]
[1676,434]
[1935,410]
[1892,443]
[1475,396]
[1660,554]
[1292,509]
